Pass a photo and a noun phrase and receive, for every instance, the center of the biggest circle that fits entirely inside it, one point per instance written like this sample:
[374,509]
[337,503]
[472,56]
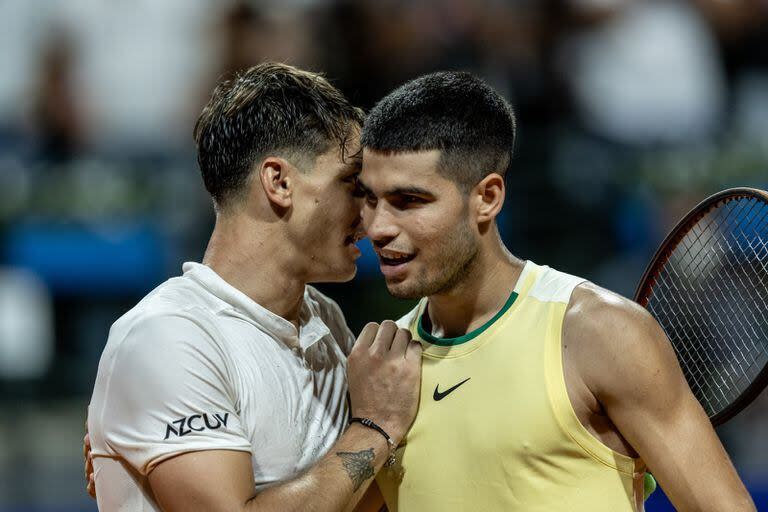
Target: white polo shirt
[197,365]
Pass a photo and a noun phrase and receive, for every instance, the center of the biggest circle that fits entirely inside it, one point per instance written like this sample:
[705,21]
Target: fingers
[400,343]
[89,476]
[91,487]
[90,480]
[383,385]
[88,456]
[367,335]
[384,337]
[413,352]
[387,339]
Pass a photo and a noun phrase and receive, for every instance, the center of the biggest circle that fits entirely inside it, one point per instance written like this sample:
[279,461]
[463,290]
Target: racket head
[707,285]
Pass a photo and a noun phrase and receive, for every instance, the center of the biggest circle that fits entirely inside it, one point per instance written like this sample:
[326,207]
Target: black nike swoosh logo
[439,396]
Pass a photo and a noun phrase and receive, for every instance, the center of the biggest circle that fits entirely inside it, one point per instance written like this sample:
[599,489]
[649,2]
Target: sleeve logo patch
[195,423]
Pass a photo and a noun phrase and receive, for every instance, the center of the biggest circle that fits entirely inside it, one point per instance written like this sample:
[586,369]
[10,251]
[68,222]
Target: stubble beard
[457,258]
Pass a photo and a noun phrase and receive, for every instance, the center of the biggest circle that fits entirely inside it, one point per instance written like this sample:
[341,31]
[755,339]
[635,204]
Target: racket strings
[711,298]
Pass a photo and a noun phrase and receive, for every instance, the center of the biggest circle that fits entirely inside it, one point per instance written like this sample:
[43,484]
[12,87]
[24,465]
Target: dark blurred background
[629,114]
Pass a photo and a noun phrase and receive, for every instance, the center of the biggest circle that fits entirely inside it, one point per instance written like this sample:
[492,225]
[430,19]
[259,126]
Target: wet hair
[454,112]
[270,109]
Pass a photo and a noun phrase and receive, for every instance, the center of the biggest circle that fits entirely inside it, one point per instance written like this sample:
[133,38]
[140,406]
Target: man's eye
[403,202]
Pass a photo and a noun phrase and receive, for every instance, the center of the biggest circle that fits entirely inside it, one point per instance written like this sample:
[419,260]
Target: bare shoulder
[611,338]
[598,313]
[627,363]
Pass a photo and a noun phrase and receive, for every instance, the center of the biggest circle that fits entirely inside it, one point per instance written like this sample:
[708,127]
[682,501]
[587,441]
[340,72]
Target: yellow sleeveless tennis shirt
[495,429]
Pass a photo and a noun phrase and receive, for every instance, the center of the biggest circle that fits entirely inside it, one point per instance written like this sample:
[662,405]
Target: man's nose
[378,223]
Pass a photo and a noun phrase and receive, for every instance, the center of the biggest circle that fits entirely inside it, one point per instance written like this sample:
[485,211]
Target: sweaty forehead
[400,169]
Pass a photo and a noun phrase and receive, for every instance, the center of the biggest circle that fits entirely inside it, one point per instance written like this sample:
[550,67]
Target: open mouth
[394,264]
[394,258]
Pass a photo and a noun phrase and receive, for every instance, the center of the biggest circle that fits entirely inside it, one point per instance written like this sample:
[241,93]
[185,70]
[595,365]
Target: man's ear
[488,197]
[276,177]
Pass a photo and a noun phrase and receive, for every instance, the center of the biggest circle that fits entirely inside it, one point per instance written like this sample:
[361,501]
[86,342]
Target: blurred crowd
[82,75]
[629,113]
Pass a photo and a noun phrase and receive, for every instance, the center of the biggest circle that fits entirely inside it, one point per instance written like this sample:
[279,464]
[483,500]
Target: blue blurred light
[102,259]
[658,501]
[368,262]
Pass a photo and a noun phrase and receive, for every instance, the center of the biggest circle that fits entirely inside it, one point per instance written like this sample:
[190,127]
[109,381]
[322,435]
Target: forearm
[371,501]
[383,372]
[335,483]
[692,465]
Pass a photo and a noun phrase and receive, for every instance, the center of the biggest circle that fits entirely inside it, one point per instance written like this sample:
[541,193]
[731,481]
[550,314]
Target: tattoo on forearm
[358,465]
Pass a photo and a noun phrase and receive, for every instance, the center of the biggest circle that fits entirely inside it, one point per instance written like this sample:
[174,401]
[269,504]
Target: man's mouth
[394,258]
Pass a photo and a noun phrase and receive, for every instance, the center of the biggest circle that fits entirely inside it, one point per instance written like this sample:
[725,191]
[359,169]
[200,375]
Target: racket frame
[647,282]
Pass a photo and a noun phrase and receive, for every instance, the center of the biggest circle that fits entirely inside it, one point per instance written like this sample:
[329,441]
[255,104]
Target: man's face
[327,215]
[418,222]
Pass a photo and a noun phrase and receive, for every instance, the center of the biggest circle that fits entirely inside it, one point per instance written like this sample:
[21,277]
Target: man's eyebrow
[416,191]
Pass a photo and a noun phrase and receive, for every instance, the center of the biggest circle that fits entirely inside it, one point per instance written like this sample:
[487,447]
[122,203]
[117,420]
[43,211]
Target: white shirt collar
[312,328]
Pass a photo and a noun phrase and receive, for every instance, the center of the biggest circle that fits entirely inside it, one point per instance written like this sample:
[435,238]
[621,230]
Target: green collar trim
[450,342]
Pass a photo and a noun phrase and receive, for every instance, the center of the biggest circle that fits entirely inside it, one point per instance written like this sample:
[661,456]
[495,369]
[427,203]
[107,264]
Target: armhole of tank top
[563,408]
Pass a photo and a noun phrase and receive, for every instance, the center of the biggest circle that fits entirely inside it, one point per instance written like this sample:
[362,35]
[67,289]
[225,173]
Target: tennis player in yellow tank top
[496,399]
[540,391]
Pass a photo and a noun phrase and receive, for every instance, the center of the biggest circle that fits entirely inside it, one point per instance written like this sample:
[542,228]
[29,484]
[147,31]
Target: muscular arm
[628,364]
[221,480]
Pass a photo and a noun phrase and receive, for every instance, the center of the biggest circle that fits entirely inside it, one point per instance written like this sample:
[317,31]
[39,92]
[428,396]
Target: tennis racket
[707,285]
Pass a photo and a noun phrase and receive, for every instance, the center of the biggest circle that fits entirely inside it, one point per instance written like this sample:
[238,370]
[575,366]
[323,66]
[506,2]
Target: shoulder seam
[558,289]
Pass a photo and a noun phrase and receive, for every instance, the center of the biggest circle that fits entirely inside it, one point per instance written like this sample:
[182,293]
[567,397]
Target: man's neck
[478,297]
[253,258]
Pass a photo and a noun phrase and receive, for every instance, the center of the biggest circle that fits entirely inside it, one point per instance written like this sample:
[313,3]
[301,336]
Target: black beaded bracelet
[371,424]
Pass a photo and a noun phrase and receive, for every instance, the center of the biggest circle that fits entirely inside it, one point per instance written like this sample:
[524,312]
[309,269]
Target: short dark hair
[454,112]
[269,108]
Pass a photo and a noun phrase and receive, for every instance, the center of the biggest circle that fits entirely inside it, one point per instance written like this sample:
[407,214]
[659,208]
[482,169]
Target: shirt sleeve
[169,392]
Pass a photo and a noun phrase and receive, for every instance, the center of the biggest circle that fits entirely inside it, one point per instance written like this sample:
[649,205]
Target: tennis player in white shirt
[225,388]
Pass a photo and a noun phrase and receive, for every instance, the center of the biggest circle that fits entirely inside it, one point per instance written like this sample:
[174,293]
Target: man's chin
[347,275]
[338,276]
[402,290]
